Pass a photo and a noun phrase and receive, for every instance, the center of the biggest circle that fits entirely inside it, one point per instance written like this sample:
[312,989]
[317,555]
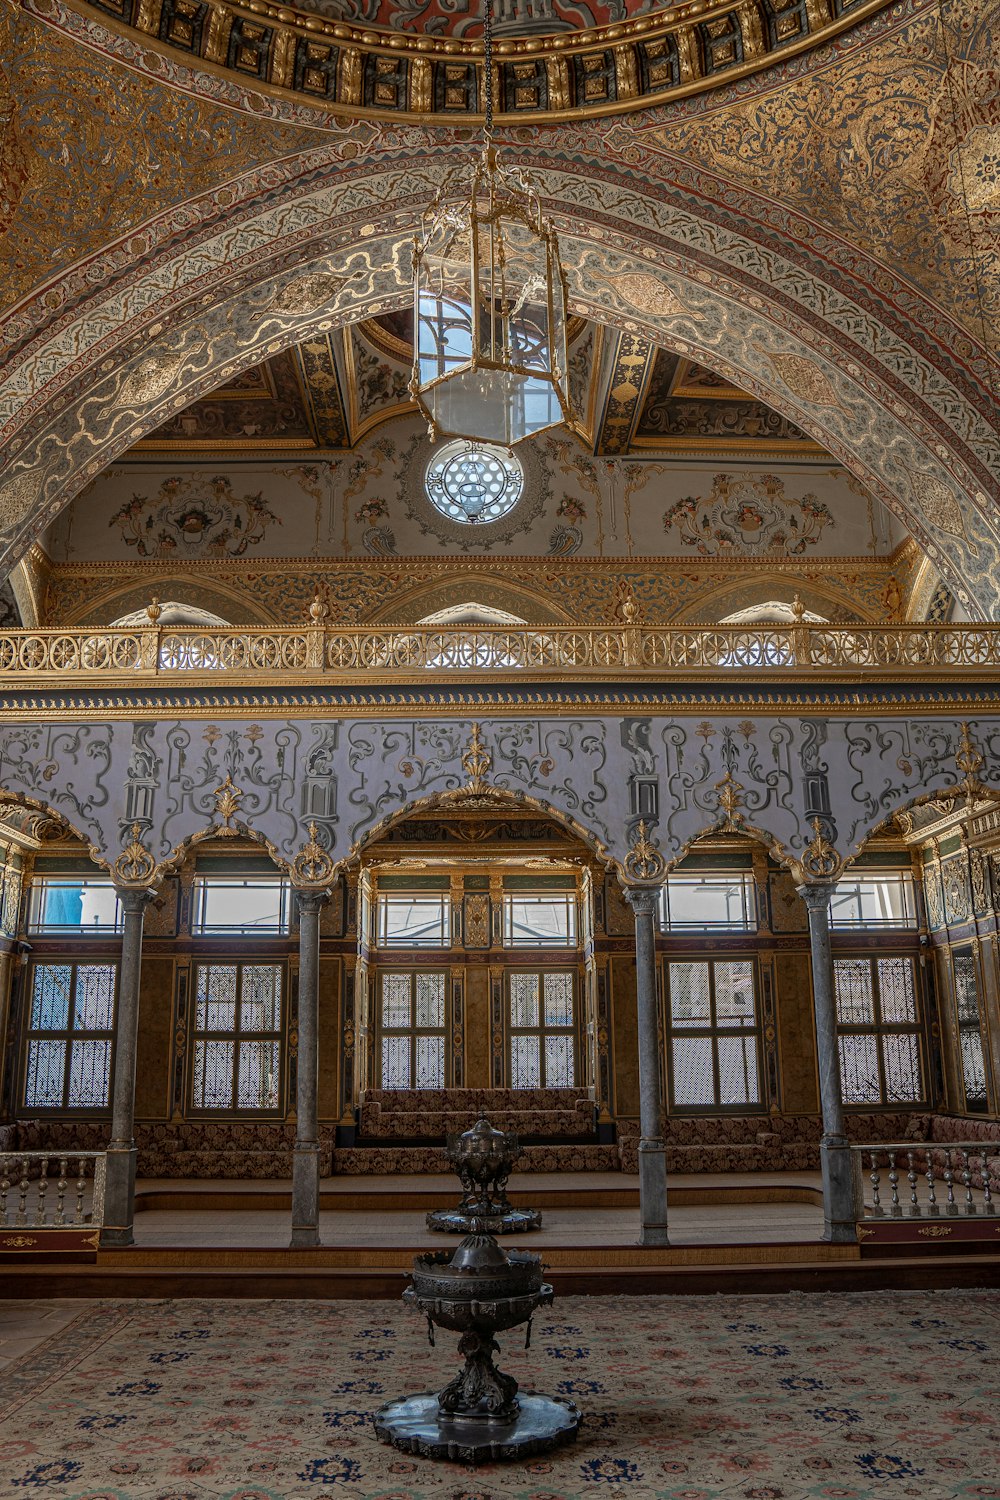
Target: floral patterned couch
[758,1143]
[429,1114]
[186,1148]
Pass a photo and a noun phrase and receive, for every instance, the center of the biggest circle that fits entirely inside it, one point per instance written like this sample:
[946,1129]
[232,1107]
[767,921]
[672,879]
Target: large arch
[657,241]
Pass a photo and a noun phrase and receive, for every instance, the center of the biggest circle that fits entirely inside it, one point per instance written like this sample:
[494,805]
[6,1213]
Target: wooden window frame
[714,1031]
[541,1030]
[880,1029]
[413,1031]
[67,1035]
[196,1034]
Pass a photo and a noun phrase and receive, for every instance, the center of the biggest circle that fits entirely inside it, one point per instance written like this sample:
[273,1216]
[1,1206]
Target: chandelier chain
[488,66]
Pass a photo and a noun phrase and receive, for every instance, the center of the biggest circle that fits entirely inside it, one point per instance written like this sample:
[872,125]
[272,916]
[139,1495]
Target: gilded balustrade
[394,653]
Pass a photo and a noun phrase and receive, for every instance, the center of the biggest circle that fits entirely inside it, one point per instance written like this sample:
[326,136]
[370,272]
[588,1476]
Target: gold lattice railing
[395,654]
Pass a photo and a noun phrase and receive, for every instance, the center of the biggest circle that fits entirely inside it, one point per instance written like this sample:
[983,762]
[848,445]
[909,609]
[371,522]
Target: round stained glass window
[473,482]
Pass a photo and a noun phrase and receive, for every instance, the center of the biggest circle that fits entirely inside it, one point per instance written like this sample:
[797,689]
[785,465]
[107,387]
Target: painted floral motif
[571,509]
[748,514]
[186,518]
[371,511]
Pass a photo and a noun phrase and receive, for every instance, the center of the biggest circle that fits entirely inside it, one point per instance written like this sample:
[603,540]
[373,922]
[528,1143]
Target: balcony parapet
[191,656]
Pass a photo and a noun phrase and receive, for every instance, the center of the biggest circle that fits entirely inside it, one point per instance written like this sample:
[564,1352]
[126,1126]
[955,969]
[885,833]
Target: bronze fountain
[483,1158]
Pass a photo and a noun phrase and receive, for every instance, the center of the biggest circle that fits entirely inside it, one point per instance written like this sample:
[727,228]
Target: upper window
[547,921]
[242,905]
[413,921]
[473,482]
[74,904]
[880,899]
[70,1030]
[710,900]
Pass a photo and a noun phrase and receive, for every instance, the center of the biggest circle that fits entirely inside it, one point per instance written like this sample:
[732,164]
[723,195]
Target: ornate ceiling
[824,236]
[332,390]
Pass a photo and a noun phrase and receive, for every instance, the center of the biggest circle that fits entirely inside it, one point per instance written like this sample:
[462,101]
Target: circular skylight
[473,482]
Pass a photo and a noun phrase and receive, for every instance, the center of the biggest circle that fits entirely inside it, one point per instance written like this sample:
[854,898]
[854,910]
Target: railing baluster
[874,1178]
[4,1189]
[951,1207]
[984,1172]
[22,1189]
[932,1203]
[911,1177]
[970,1202]
[41,1189]
[894,1208]
[61,1186]
[81,1188]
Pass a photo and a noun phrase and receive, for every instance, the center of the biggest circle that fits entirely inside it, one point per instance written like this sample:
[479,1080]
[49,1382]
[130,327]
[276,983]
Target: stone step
[381,1160]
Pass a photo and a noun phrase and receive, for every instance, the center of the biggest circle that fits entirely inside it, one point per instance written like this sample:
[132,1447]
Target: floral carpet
[839,1397]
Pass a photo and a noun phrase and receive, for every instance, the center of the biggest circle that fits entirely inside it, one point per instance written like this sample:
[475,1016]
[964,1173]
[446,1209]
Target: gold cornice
[342,53]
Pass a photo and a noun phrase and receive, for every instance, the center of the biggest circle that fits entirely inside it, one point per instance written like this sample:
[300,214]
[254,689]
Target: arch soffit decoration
[100,609]
[699,307]
[489,588]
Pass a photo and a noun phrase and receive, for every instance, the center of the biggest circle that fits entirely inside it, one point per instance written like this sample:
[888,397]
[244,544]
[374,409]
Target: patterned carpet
[687,1398]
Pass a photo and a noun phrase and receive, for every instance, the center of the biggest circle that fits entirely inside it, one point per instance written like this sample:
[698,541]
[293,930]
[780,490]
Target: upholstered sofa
[758,1143]
[430,1114]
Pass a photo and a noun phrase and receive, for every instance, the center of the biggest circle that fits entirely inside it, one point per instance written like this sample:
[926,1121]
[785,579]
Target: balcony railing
[396,653]
[51,1190]
[927,1180]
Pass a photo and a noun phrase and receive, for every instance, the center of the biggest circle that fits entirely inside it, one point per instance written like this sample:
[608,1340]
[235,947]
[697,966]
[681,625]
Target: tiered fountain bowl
[480,1417]
[483,1158]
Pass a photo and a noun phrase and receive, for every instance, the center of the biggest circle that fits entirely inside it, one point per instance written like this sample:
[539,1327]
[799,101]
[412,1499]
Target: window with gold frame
[543,1044]
[713,1034]
[880,1031]
[237,1038]
[411,1034]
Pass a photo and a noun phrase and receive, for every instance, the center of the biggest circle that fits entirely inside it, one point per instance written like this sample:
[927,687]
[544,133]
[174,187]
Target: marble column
[119,1185]
[305,1161]
[652,1149]
[839,1211]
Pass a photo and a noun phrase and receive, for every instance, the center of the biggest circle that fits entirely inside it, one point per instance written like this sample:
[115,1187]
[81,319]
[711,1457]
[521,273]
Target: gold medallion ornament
[227,804]
[970,761]
[476,761]
[730,798]
[819,860]
[135,866]
[312,867]
[644,862]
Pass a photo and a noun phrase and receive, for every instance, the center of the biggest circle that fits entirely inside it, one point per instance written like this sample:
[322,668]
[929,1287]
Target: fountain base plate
[513,1221]
[414,1424]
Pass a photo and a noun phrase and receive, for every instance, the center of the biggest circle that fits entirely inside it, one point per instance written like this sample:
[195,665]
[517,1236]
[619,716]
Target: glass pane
[859,1070]
[89,1073]
[559,1062]
[973,1067]
[212,1084]
[43,1087]
[525,1063]
[50,997]
[710,901]
[430,1003]
[694,1080]
[901,1061]
[734,993]
[215,1002]
[558,991]
[738,1082]
[396,1005]
[94,1007]
[966,989]
[430,1062]
[395,1062]
[689,1004]
[896,993]
[414,921]
[852,978]
[523,1003]
[243,906]
[257,1078]
[878,900]
[260,998]
[71,903]
[539,921]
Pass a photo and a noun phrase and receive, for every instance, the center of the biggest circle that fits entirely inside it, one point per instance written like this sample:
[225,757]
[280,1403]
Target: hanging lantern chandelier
[490,359]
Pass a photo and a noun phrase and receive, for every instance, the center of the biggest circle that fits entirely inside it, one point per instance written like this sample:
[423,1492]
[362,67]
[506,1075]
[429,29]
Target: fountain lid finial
[479,1253]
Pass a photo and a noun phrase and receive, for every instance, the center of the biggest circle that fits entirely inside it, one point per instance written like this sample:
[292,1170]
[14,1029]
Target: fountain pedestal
[480,1416]
[483,1158]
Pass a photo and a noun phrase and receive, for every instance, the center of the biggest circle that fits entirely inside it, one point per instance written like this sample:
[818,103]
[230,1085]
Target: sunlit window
[972,1055]
[70,1031]
[417,921]
[73,904]
[879,1031]
[713,1034]
[411,1016]
[709,900]
[879,899]
[474,483]
[236,1052]
[539,921]
[541,1029]
[243,905]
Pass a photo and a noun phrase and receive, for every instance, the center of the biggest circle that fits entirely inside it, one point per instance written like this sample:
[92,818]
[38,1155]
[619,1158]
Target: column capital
[817,893]
[311,898]
[135,898]
[642,898]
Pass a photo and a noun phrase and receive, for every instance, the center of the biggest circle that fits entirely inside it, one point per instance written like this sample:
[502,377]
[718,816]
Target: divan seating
[431,1114]
[184,1148]
[759,1143]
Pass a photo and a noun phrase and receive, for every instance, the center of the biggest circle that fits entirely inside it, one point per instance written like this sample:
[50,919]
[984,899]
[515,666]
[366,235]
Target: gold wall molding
[365,72]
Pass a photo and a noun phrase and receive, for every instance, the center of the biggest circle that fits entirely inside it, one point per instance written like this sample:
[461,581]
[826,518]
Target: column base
[305,1195]
[119,1197]
[839,1206]
[652,1192]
